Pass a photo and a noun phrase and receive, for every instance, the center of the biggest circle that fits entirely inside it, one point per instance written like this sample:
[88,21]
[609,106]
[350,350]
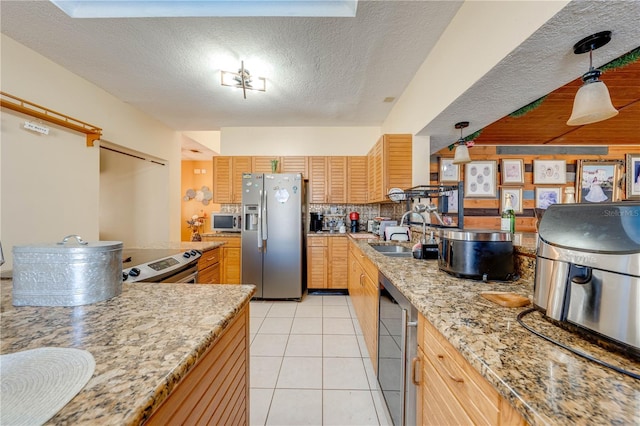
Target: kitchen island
[144,341]
[544,383]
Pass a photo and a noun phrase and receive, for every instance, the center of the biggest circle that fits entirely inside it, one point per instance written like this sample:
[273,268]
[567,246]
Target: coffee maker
[315,224]
[354,216]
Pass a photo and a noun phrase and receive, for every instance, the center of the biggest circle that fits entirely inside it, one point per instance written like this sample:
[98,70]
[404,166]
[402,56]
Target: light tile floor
[310,366]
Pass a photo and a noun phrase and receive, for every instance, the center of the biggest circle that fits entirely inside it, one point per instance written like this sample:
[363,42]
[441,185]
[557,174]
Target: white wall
[50,183]
[208,139]
[297,140]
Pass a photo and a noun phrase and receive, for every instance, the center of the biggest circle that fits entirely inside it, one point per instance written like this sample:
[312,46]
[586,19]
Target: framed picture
[597,181]
[480,179]
[547,196]
[549,171]
[633,176]
[516,198]
[448,172]
[512,172]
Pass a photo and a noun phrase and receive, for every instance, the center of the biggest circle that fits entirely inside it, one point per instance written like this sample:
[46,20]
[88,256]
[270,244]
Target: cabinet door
[357,180]
[317,262]
[370,325]
[263,164]
[337,173]
[397,157]
[339,264]
[210,275]
[294,164]
[239,165]
[231,265]
[374,165]
[318,179]
[222,177]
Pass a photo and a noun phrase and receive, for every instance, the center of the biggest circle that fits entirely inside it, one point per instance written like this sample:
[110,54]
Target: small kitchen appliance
[226,222]
[587,275]
[382,225]
[315,224]
[354,217]
[476,254]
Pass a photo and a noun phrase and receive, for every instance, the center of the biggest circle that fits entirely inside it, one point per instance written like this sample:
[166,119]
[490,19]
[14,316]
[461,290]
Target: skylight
[202,8]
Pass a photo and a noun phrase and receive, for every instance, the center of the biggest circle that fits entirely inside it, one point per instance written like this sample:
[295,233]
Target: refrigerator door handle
[265,228]
[260,223]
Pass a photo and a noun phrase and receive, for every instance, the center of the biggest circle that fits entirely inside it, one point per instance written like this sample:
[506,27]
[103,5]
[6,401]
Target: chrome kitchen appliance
[272,234]
[160,265]
[588,271]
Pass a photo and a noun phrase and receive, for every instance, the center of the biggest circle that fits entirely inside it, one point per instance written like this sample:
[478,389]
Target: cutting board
[510,300]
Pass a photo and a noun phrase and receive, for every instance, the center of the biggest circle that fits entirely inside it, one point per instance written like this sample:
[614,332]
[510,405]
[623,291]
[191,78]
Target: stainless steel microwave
[226,222]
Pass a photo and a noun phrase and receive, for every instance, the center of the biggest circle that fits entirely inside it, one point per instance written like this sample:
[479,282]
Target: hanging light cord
[572,350]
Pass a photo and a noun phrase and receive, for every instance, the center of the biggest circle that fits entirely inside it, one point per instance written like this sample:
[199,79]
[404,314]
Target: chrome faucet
[424,224]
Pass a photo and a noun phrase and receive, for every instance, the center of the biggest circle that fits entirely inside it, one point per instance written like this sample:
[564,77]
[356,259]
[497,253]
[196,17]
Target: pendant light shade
[462,155]
[592,102]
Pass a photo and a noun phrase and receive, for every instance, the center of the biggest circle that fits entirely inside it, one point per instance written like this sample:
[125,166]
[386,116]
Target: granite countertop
[223,234]
[545,383]
[143,341]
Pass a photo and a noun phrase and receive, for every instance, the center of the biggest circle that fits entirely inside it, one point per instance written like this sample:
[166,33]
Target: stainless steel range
[588,271]
[160,265]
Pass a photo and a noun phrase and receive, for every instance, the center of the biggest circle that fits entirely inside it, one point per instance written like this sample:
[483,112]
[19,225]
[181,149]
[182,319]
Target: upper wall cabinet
[357,180]
[328,179]
[227,178]
[389,165]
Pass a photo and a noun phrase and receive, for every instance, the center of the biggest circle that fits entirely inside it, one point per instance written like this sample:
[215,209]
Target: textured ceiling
[320,71]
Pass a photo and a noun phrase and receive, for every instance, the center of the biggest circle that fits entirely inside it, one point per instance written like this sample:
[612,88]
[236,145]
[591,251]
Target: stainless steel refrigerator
[272,234]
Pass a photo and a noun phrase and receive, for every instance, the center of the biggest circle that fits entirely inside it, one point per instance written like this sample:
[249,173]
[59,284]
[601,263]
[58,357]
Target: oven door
[397,345]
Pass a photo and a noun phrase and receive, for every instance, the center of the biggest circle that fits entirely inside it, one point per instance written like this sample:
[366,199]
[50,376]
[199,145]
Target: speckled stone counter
[546,384]
[181,245]
[223,234]
[144,341]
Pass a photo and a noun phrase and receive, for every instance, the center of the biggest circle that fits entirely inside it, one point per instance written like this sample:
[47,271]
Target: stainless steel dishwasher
[397,346]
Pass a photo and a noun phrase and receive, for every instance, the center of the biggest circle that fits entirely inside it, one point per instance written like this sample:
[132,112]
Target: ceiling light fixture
[243,80]
[592,102]
[461,155]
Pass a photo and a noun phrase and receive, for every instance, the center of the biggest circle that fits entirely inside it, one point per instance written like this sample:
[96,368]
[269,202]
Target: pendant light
[592,102]
[461,155]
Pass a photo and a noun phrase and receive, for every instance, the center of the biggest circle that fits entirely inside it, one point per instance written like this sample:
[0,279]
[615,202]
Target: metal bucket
[66,274]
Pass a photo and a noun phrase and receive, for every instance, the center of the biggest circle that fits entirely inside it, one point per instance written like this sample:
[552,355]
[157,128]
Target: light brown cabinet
[389,165]
[227,178]
[230,258]
[450,390]
[327,262]
[294,164]
[328,179]
[216,390]
[357,182]
[318,181]
[209,267]
[363,290]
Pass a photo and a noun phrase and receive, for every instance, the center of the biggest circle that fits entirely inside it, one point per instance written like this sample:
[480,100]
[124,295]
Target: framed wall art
[549,171]
[547,196]
[597,181]
[516,198]
[480,179]
[448,172]
[633,177]
[512,172]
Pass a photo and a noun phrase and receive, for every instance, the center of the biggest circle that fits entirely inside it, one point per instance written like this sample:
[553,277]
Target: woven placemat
[37,383]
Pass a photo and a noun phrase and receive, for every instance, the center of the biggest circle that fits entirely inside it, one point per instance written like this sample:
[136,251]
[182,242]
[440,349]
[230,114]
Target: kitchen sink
[392,250]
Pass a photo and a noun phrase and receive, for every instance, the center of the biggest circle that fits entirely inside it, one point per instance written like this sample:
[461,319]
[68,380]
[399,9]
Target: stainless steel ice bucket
[68,273]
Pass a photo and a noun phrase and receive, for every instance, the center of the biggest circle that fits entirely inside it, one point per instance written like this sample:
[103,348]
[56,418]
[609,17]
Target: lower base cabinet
[450,390]
[230,259]
[363,290]
[209,267]
[327,262]
[216,390]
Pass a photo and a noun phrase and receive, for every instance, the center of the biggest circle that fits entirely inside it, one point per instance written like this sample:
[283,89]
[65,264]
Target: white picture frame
[512,171]
[516,199]
[549,172]
[545,196]
[480,179]
[447,171]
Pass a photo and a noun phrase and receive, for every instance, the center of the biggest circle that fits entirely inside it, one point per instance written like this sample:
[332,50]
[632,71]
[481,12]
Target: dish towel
[37,383]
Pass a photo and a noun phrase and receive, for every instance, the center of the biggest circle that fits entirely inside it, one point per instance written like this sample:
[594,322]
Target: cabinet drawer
[209,258]
[317,241]
[480,400]
[210,275]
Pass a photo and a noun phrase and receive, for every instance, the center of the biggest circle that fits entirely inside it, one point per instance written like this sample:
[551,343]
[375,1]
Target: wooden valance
[9,101]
